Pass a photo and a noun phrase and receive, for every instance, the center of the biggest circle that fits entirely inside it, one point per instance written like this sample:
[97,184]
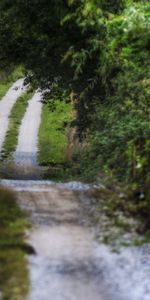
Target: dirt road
[65,266]
[6,105]
[26,151]
[69,263]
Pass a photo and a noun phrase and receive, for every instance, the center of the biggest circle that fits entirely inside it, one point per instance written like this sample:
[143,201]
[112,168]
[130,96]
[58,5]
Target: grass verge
[15,119]
[6,81]
[53,139]
[13,270]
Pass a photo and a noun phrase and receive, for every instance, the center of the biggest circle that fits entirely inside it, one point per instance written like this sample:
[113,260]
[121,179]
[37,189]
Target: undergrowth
[118,216]
[53,140]
[7,80]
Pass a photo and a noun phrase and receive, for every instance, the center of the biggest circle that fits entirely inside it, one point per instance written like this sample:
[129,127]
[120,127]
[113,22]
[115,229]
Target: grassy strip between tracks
[15,119]
[53,139]
[6,81]
[13,268]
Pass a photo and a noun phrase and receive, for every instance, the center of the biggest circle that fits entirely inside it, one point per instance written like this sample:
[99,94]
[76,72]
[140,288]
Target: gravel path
[26,151]
[6,105]
[69,264]
[65,266]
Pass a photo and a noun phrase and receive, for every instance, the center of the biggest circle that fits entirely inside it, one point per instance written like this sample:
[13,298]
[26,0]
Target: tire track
[27,148]
[6,105]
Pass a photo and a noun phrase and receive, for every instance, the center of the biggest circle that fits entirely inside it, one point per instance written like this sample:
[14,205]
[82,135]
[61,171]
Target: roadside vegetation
[7,78]
[15,119]
[53,133]
[13,269]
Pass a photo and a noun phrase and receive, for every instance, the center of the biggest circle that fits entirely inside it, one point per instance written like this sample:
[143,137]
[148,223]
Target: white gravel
[6,105]
[126,272]
[27,148]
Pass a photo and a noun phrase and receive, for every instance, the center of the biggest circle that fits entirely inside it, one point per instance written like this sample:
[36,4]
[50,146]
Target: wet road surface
[69,264]
[65,266]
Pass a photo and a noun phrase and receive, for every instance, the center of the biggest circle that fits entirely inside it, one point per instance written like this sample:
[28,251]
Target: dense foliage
[101,50]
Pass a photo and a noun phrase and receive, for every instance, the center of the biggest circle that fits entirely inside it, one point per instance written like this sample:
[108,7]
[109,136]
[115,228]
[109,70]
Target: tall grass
[53,133]
[15,119]
[13,270]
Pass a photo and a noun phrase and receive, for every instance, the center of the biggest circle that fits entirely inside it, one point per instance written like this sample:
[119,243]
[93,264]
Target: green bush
[119,128]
